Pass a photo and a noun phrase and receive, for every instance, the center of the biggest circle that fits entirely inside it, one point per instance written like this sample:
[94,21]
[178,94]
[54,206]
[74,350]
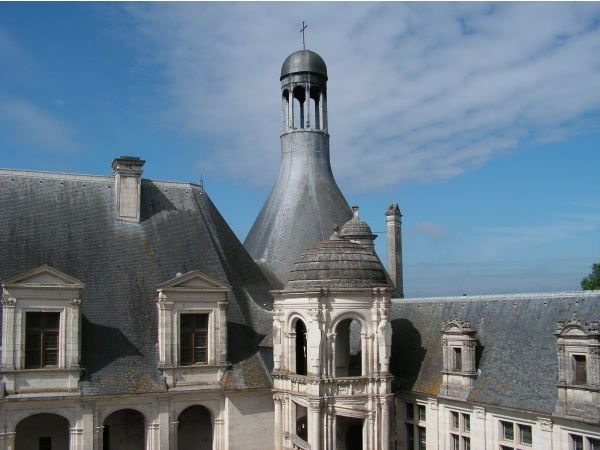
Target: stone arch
[299,100]
[44,431]
[349,346]
[299,346]
[124,429]
[285,111]
[194,428]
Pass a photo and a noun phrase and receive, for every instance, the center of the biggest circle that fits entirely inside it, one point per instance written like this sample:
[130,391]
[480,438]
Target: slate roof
[516,349]
[67,221]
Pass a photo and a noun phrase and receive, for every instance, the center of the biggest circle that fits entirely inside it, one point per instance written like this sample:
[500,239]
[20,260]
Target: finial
[201,181]
[355,212]
[302,31]
[336,235]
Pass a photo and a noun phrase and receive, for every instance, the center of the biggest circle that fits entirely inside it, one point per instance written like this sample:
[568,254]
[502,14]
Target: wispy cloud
[417,91]
[436,233]
[24,121]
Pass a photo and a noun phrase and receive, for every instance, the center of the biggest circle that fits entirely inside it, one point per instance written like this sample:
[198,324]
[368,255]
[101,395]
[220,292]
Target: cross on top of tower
[302,31]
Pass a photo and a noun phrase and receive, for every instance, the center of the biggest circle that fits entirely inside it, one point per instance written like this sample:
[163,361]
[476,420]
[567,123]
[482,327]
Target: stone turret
[305,202]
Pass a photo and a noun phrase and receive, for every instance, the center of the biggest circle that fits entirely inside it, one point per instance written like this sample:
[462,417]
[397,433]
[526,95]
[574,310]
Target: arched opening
[299,101]
[349,433]
[194,430]
[301,348]
[348,349]
[315,106]
[124,430]
[285,111]
[42,431]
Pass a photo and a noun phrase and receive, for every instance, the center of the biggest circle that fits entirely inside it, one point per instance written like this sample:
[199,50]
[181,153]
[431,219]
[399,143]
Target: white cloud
[25,121]
[417,91]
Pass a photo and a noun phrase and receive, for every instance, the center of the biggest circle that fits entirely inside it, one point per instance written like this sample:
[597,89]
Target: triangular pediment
[194,280]
[43,276]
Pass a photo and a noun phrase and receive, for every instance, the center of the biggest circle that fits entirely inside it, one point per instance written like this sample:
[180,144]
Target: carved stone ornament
[463,325]
[75,302]
[545,424]
[589,328]
[479,413]
[8,301]
[433,404]
[315,406]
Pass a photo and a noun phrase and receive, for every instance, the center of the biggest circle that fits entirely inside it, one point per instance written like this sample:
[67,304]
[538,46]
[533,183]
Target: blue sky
[481,120]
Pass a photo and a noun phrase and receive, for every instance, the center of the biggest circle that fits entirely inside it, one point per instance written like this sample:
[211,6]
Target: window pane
[410,437]
[201,321]
[594,444]
[422,438]
[200,355]
[50,358]
[410,411]
[467,421]
[467,443]
[33,320]
[580,369]
[186,321]
[455,420]
[577,442]
[200,340]
[526,437]
[51,321]
[422,415]
[508,431]
[454,442]
[457,359]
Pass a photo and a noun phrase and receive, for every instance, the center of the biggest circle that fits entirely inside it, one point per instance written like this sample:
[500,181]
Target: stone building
[134,318]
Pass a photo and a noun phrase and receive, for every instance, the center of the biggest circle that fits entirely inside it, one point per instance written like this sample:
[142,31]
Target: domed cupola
[358,231]
[303,61]
[337,264]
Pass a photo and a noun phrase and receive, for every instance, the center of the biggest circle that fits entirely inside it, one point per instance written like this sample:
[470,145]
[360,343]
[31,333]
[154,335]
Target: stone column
[73,347]
[364,352]
[153,437]
[9,441]
[173,435]
[218,434]
[165,331]
[314,424]
[76,439]
[385,403]
[98,438]
[543,439]
[222,333]
[478,428]
[8,332]
[278,425]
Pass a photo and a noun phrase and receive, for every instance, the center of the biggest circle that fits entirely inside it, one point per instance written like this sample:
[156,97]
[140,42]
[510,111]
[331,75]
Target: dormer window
[578,368]
[192,324]
[458,363]
[41,319]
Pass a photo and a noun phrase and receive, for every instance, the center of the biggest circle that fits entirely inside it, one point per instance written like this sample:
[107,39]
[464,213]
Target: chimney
[394,246]
[128,187]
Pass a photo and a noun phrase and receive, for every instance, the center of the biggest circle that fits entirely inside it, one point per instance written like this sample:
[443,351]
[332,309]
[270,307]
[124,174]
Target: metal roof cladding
[303,61]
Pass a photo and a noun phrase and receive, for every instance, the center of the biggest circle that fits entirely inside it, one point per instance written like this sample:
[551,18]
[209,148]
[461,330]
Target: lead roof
[68,222]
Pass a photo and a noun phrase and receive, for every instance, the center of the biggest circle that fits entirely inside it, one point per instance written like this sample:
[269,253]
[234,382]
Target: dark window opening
[580,369]
[193,339]
[301,348]
[45,443]
[457,359]
[41,339]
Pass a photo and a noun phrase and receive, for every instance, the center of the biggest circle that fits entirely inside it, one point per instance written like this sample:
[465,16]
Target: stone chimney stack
[394,246]
[128,187]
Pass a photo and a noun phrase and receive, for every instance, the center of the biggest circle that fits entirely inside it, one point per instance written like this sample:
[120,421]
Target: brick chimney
[128,187]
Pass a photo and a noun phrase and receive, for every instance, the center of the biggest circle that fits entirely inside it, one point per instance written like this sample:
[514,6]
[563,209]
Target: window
[410,411]
[579,369]
[194,339]
[578,442]
[416,436]
[460,423]
[422,413]
[422,438]
[457,359]
[519,434]
[41,339]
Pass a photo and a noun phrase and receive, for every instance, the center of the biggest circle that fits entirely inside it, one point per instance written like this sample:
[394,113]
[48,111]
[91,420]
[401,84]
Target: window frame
[195,331]
[40,333]
[516,442]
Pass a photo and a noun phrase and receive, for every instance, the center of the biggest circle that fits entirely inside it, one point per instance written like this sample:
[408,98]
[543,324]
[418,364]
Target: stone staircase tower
[305,202]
